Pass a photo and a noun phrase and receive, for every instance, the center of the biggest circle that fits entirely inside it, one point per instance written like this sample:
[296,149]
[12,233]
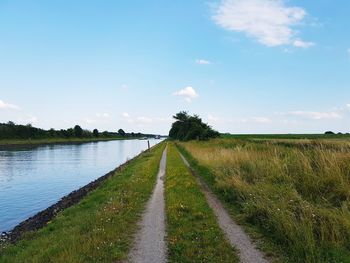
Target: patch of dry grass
[297,192]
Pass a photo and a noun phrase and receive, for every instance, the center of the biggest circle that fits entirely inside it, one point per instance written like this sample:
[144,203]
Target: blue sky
[245,66]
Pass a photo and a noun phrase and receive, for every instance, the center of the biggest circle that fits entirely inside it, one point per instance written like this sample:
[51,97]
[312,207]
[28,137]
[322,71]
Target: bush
[187,128]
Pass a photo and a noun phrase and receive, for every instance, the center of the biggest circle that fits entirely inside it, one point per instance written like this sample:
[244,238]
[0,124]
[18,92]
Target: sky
[244,66]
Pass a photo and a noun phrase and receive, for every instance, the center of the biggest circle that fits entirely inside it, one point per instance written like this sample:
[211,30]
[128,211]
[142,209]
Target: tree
[188,127]
[95,133]
[121,132]
[329,132]
[78,131]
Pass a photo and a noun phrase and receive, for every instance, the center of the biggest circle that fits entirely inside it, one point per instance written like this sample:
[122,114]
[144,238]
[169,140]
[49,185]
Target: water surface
[33,178]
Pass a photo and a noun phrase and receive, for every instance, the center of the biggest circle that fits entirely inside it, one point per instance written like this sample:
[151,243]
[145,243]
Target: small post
[149,147]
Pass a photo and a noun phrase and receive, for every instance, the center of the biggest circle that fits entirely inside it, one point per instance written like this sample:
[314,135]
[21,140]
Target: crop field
[291,194]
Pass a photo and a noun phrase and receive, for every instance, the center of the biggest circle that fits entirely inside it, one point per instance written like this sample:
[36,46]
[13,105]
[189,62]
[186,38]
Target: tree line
[11,130]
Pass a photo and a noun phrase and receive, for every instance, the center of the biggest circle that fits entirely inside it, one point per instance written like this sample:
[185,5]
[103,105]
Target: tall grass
[297,193]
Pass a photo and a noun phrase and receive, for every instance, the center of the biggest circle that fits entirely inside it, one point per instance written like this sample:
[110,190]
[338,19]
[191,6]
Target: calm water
[31,179]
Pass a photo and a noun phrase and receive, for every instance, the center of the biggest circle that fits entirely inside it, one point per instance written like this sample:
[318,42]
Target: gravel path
[238,238]
[150,243]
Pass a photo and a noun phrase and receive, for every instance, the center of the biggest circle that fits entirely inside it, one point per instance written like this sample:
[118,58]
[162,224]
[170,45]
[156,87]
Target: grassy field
[192,231]
[55,140]
[287,136]
[98,229]
[293,193]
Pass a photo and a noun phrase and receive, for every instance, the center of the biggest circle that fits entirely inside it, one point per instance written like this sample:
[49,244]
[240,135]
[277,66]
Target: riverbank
[100,227]
[15,143]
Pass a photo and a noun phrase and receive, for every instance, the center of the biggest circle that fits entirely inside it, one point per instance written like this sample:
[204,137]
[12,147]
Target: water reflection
[33,178]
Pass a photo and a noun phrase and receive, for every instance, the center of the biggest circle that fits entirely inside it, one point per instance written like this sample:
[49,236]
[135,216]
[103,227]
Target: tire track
[235,234]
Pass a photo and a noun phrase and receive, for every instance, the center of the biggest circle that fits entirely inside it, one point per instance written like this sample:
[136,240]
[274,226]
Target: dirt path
[238,238]
[150,243]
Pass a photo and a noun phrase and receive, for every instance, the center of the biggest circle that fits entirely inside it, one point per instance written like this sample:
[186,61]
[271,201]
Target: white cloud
[188,93]
[6,106]
[315,115]
[102,115]
[303,44]
[348,105]
[348,51]
[126,115]
[269,21]
[203,62]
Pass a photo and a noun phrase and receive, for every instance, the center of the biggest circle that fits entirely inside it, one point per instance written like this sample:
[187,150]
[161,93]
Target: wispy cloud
[203,62]
[144,120]
[348,51]
[28,119]
[263,120]
[315,115]
[303,44]
[98,118]
[126,115]
[270,22]
[8,106]
[187,93]
[212,118]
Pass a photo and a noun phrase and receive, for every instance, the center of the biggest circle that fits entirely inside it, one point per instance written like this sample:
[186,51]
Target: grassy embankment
[98,229]
[9,142]
[192,231]
[294,194]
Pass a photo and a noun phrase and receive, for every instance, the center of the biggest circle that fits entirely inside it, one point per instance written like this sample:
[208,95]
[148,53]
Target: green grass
[192,231]
[9,142]
[296,195]
[98,229]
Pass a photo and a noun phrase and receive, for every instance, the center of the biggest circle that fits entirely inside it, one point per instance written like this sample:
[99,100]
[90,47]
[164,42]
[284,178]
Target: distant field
[294,194]
[287,136]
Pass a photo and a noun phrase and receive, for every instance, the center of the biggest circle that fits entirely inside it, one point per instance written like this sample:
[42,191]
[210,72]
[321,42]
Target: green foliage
[187,128]
[121,132]
[78,131]
[12,131]
[95,133]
